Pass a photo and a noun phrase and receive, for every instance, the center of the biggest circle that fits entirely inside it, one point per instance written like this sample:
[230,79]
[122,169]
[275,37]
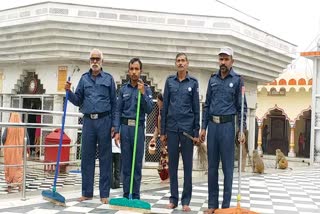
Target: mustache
[223,67]
[92,65]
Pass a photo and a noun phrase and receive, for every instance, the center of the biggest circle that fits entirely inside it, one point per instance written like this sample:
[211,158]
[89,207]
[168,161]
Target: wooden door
[278,135]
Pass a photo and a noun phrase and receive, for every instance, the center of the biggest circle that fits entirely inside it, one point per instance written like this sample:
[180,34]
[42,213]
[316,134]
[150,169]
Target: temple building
[44,43]
[284,111]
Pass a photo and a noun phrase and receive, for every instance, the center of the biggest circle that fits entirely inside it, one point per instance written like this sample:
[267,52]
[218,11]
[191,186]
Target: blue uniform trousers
[127,142]
[96,132]
[176,139]
[220,145]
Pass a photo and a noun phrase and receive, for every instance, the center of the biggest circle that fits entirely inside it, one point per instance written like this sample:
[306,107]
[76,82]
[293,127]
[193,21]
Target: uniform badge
[231,85]
[189,89]
[150,96]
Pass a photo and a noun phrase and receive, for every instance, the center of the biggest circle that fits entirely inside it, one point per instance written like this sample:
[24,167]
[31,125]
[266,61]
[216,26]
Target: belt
[222,118]
[130,122]
[95,116]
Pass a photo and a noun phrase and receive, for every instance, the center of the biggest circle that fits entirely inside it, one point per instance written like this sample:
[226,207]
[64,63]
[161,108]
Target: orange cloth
[13,156]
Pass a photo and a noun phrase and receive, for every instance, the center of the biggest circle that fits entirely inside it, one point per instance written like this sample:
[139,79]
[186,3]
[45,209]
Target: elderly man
[96,95]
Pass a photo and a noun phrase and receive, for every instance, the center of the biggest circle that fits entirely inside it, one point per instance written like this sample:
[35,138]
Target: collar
[129,84]
[231,73]
[187,76]
[102,74]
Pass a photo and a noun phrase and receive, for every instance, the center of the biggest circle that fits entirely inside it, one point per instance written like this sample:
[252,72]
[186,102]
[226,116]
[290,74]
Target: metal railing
[25,146]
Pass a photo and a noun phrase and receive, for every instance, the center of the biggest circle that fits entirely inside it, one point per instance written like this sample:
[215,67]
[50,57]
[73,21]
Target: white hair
[96,49]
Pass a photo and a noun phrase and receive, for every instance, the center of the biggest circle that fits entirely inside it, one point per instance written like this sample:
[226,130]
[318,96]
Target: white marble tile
[308,206]
[259,196]
[278,200]
[78,209]
[261,210]
[301,199]
[289,208]
[42,211]
[154,197]
[262,202]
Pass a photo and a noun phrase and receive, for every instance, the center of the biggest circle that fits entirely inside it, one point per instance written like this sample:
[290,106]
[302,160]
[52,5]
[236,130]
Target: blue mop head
[53,197]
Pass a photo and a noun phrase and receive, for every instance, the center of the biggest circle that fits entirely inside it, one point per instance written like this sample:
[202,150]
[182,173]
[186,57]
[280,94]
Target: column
[291,145]
[260,152]
[315,112]
[251,126]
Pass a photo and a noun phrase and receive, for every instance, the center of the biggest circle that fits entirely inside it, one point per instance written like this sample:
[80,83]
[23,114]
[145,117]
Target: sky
[296,21]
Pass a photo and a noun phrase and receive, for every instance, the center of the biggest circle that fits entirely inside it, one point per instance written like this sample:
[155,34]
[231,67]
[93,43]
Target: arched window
[282,82]
[292,82]
[302,81]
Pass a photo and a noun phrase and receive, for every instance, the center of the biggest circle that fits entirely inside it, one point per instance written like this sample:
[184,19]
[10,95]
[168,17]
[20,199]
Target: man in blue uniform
[125,120]
[180,113]
[223,103]
[96,97]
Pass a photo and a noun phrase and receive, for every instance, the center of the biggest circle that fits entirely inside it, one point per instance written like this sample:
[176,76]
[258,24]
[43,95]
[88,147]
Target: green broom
[125,203]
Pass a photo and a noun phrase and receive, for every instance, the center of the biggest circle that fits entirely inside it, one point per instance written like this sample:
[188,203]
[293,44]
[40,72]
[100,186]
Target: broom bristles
[202,156]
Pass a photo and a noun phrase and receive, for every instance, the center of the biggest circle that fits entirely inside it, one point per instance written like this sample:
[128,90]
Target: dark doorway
[307,134]
[31,103]
[278,135]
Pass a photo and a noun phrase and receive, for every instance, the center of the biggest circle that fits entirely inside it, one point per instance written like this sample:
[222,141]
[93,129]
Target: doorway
[279,137]
[33,133]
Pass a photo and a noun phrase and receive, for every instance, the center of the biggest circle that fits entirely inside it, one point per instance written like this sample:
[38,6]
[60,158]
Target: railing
[25,146]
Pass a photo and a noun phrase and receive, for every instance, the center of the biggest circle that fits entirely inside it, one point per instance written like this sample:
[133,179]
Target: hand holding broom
[201,150]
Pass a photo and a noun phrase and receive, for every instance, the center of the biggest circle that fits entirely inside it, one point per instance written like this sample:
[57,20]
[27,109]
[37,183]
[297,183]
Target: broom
[125,203]
[77,171]
[238,209]
[53,196]
[201,152]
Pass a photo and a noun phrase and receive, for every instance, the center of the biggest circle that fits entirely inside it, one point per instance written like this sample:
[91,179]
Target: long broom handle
[135,145]
[60,141]
[240,156]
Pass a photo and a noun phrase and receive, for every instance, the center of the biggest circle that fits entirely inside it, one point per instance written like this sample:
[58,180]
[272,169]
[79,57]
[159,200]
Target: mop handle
[135,145]
[60,141]
[240,151]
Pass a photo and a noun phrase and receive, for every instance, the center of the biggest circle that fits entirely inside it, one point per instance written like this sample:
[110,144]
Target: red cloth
[164,174]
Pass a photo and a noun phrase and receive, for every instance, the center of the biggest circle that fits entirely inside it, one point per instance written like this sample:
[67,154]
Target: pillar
[315,112]
[291,145]
[260,152]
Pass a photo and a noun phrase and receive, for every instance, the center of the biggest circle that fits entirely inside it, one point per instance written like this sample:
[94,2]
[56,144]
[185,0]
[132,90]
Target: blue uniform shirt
[224,98]
[95,95]
[127,103]
[181,107]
